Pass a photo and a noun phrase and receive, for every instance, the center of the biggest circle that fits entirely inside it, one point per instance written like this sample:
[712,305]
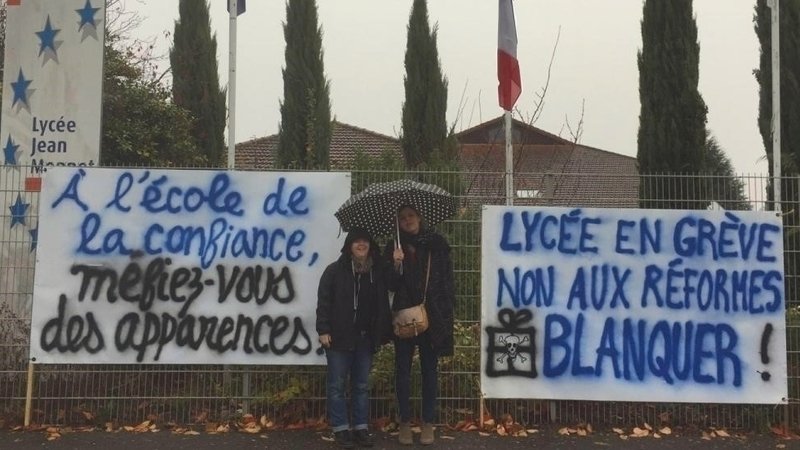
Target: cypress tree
[722,185]
[790,85]
[672,121]
[195,79]
[305,129]
[424,128]
[790,122]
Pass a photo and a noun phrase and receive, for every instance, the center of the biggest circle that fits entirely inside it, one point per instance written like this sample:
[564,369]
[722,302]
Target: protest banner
[182,267]
[633,305]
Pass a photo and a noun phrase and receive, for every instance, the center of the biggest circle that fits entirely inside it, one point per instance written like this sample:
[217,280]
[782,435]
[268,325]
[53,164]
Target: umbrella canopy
[375,208]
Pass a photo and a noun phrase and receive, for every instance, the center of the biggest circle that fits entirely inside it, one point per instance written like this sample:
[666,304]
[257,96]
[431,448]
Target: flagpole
[509,160]
[233,10]
[775,42]
[510,83]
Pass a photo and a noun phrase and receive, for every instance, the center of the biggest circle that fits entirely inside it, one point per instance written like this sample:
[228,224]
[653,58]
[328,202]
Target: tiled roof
[494,131]
[563,175]
[549,170]
[346,140]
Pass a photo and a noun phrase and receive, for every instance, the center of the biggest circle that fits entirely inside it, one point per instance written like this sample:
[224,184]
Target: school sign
[52,83]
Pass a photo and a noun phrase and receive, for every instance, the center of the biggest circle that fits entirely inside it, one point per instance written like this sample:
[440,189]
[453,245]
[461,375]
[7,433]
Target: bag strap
[427,278]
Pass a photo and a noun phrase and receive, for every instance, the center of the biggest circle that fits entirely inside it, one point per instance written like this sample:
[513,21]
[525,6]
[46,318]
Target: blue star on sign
[18,211]
[87,15]
[34,238]
[47,37]
[20,88]
[10,152]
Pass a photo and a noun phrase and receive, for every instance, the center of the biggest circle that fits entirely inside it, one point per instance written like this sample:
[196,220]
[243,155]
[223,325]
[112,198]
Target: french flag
[510,86]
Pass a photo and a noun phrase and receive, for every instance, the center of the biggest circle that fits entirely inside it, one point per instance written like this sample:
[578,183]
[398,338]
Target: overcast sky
[595,62]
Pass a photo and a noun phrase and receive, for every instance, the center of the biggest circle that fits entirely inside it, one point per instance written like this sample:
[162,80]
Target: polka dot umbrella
[375,208]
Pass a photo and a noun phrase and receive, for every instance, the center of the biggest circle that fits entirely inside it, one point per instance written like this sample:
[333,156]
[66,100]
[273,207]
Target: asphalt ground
[311,440]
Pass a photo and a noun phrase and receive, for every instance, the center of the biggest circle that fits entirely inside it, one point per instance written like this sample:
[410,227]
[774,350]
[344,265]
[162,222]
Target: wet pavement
[307,439]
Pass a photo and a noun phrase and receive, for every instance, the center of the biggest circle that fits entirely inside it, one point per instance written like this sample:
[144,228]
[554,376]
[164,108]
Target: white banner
[182,267]
[52,83]
[633,305]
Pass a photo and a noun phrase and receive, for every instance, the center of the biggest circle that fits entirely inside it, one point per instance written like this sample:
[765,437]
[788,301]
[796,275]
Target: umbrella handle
[397,241]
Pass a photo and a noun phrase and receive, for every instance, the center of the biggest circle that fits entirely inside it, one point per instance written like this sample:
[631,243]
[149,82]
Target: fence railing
[73,394]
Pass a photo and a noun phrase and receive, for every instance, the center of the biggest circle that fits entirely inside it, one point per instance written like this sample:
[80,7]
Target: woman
[353,319]
[411,282]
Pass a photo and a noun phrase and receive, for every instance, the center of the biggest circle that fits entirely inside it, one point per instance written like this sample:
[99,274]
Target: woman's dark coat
[335,302]
[409,285]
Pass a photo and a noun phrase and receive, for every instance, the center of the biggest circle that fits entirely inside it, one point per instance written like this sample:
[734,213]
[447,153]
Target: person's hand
[325,340]
[398,256]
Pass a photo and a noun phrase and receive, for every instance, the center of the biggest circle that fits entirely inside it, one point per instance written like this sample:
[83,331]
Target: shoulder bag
[411,322]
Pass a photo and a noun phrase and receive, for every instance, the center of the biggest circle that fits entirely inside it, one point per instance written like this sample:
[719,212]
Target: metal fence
[77,394]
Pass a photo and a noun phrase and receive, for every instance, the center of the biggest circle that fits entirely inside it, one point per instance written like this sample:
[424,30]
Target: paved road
[310,440]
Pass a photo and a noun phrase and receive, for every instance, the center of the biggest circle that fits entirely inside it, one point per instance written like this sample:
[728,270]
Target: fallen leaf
[88,415]
[780,431]
[191,433]
[648,427]
[128,428]
[144,426]
[722,433]
[780,446]
[656,435]
[470,427]
[706,436]
[665,430]
[624,437]
[589,427]
[489,423]
[521,433]
[640,432]
[582,432]
[416,430]
[564,431]
[501,430]
[618,431]
[248,418]
[483,433]
[447,437]
[53,436]
[252,430]
[532,431]
[201,417]
[52,430]
[328,438]
[211,426]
